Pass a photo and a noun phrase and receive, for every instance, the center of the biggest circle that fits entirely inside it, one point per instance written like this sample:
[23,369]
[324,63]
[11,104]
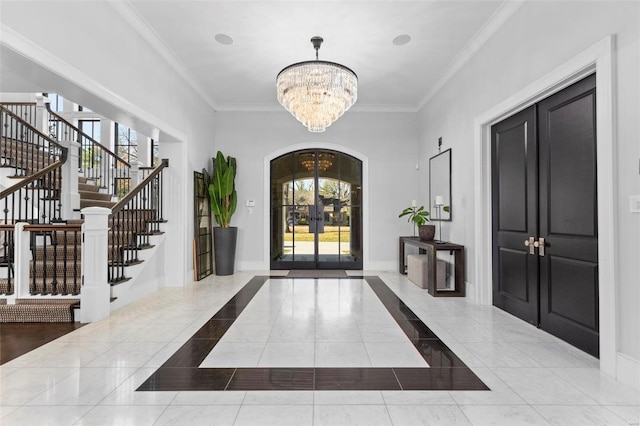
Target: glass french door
[316,211]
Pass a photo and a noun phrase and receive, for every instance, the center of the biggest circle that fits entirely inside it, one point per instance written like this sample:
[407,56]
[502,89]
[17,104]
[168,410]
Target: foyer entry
[545,216]
[316,210]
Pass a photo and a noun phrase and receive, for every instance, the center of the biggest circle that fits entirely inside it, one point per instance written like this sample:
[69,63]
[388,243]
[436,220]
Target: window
[126,143]
[56,101]
[91,128]
[155,147]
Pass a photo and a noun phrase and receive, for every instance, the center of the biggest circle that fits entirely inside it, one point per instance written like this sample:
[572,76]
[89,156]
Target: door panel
[544,187]
[316,213]
[514,201]
[568,216]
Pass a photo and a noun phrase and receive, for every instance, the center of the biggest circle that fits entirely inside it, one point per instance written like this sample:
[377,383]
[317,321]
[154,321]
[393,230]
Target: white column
[136,176]
[42,115]
[22,255]
[144,150]
[69,196]
[96,292]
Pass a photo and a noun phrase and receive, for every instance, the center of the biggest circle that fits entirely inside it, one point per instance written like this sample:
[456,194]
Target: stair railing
[97,162]
[133,220]
[35,197]
[23,146]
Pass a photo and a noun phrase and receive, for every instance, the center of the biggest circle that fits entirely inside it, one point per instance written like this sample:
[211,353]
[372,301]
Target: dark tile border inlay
[181,373]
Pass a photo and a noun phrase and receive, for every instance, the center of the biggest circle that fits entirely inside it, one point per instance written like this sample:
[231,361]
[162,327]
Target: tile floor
[90,376]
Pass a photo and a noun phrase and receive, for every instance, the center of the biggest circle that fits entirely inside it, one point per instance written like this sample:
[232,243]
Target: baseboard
[252,266]
[381,266]
[628,370]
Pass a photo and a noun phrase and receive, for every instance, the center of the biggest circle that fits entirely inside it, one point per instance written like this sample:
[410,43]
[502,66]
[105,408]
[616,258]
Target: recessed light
[402,39]
[224,39]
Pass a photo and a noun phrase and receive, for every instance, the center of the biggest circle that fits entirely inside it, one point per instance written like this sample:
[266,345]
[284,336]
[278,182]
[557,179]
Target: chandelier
[325,161]
[317,92]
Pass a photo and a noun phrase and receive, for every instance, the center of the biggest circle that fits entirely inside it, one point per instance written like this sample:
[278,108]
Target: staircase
[55,270]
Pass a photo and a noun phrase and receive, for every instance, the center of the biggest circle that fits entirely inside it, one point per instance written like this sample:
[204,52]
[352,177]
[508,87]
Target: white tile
[380,333]
[121,416]
[25,384]
[418,398]
[127,354]
[287,355]
[163,354]
[278,398]
[281,415]
[541,386]
[343,330]
[88,386]
[351,415]
[43,416]
[208,398]
[155,333]
[342,355]
[292,330]
[234,355]
[218,415]
[504,415]
[500,354]
[599,386]
[258,333]
[557,354]
[397,354]
[126,394]
[436,415]
[629,413]
[563,415]
[6,409]
[348,398]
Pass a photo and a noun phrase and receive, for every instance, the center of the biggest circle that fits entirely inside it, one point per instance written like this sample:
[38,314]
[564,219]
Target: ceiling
[269,35]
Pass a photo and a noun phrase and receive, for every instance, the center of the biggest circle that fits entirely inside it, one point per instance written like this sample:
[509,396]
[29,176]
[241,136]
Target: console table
[430,248]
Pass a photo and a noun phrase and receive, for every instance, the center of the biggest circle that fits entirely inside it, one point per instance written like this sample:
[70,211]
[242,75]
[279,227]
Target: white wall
[388,140]
[86,52]
[538,38]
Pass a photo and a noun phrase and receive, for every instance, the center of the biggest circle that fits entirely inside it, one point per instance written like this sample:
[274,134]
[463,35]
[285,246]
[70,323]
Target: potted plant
[223,198]
[419,216]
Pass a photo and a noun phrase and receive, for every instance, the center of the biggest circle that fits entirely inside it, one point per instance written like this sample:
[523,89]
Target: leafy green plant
[222,191]
[418,215]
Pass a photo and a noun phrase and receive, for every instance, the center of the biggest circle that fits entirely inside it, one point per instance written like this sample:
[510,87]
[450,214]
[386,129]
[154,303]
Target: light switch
[250,210]
[251,203]
[634,203]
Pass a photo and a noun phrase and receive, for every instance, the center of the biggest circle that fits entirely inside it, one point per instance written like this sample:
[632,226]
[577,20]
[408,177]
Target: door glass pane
[314,197]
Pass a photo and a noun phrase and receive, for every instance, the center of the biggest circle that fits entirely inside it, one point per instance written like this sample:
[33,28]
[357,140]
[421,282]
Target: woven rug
[316,273]
[45,310]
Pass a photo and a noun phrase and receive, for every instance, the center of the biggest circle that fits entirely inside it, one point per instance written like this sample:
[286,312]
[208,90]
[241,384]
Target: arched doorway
[316,210]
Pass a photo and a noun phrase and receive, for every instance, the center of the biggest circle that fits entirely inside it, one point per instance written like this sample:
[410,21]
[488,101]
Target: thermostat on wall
[251,203]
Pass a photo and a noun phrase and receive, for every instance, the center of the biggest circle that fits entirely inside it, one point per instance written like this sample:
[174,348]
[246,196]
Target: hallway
[90,375]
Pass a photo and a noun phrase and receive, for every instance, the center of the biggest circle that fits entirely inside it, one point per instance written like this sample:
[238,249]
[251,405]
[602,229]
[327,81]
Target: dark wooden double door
[544,201]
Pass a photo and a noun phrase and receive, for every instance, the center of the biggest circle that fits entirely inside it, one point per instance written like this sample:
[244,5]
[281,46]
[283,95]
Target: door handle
[531,243]
[540,245]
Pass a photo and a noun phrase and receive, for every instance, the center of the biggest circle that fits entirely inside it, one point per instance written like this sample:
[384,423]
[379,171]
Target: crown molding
[146,31]
[506,10]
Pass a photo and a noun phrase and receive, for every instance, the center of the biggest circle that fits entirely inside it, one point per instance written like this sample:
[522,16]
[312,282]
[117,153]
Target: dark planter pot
[426,232]
[224,246]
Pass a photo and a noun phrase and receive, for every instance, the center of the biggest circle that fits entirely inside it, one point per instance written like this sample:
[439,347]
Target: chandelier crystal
[324,159]
[317,92]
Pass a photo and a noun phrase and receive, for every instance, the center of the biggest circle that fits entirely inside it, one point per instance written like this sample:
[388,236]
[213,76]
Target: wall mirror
[440,186]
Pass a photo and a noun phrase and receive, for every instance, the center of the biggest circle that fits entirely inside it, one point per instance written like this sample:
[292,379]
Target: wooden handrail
[93,141]
[120,205]
[40,173]
[29,126]
[43,227]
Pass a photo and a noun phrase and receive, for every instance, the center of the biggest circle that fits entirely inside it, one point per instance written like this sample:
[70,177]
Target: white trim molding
[599,58]
[365,194]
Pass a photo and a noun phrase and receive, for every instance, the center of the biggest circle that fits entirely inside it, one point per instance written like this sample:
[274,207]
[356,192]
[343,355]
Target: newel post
[96,291]
[70,197]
